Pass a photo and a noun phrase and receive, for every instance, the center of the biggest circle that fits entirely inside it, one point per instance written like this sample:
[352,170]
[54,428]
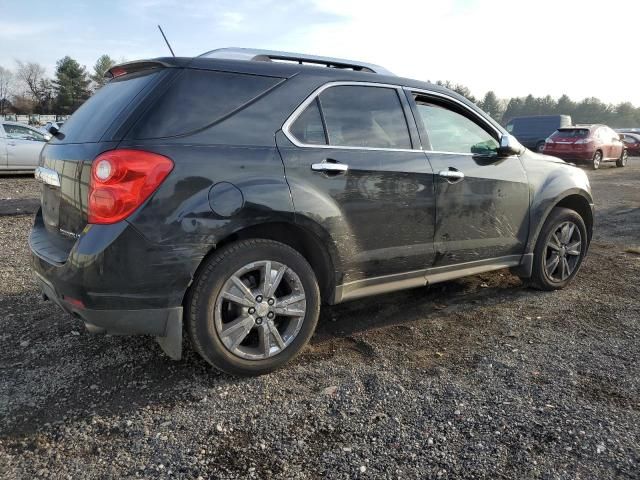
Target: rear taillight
[121,180]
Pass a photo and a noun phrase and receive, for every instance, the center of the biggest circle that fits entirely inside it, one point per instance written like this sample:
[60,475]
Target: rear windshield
[571,133]
[197,99]
[93,118]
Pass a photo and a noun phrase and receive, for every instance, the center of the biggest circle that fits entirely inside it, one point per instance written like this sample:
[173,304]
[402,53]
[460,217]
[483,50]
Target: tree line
[26,89]
[589,110]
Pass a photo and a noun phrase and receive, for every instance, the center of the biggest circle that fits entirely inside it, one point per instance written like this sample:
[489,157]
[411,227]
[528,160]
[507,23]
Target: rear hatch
[97,126]
[568,139]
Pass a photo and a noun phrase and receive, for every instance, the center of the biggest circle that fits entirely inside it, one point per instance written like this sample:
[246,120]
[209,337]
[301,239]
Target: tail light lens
[121,180]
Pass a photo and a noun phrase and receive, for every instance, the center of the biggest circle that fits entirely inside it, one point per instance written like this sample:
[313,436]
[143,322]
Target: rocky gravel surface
[477,378]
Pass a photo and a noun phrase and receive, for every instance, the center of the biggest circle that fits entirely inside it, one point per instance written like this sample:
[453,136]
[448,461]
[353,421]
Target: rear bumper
[576,156]
[163,323]
[115,281]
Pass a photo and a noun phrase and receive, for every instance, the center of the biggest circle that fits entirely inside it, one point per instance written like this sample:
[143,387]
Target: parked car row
[593,144]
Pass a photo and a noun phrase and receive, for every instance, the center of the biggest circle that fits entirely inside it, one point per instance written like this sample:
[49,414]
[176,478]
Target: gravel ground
[477,378]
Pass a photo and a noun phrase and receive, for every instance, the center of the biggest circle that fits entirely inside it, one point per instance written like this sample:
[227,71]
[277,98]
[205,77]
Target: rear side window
[308,127]
[370,117]
[197,99]
[94,117]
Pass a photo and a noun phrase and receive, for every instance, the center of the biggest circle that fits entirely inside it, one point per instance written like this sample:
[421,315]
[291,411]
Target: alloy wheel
[563,251]
[597,158]
[260,310]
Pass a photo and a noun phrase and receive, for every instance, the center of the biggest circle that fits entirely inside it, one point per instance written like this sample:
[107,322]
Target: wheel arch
[301,239]
[575,199]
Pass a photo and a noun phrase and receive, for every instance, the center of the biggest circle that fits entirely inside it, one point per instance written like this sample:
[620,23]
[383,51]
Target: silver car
[20,146]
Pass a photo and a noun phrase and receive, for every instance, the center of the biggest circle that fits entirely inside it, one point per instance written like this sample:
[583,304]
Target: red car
[632,142]
[589,143]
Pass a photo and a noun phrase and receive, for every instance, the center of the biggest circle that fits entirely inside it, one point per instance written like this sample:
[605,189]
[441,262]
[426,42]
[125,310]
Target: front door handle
[452,175]
[329,166]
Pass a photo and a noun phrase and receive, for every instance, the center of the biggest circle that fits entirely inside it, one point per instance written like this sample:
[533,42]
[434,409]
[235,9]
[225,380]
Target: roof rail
[251,54]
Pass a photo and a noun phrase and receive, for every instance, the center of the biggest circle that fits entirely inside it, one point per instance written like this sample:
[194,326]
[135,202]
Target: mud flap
[171,342]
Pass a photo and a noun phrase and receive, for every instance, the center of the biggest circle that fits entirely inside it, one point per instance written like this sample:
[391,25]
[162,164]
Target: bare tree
[32,77]
[6,78]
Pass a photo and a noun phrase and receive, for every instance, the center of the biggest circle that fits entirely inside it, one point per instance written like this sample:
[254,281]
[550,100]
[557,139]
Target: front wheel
[253,307]
[622,161]
[597,159]
[560,249]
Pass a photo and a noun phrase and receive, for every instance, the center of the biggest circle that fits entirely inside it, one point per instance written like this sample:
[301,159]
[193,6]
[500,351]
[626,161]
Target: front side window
[449,131]
[17,132]
[363,116]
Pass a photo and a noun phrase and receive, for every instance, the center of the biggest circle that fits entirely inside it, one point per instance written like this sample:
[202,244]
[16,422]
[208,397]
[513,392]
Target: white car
[20,146]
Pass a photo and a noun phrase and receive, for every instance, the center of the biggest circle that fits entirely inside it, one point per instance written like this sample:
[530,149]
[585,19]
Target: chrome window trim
[482,120]
[399,90]
[316,93]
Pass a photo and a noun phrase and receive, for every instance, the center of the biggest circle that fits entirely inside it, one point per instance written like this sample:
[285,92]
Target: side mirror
[509,146]
[52,129]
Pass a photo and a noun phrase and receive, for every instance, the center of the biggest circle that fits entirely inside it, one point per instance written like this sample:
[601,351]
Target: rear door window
[365,117]
[198,99]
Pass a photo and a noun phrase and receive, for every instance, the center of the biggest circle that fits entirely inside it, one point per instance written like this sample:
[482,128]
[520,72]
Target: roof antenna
[167,41]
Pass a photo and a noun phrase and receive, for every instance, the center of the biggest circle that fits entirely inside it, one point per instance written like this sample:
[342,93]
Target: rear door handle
[452,176]
[330,167]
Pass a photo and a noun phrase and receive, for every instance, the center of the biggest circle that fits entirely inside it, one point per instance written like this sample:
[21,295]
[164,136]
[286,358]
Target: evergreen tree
[104,63]
[492,105]
[71,85]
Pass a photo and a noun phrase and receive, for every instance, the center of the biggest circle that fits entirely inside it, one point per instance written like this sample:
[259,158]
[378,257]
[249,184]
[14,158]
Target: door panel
[379,213]
[23,153]
[484,215]
[3,149]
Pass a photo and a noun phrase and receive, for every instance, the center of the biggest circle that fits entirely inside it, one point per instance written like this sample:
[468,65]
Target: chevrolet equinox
[233,193]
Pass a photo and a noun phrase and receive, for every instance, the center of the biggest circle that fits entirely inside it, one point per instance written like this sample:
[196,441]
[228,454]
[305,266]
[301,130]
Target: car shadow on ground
[82,375]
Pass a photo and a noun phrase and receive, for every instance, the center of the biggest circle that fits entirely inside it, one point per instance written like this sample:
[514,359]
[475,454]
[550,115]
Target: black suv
[237,191]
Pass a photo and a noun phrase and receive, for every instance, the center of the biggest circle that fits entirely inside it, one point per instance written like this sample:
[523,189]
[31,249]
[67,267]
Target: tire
[597,160]
[622,161]
[228,323]
[544,277]
[539,147]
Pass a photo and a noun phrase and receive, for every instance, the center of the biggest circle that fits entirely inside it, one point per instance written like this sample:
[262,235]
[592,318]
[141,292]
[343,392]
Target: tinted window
[449,131]
[629,139]
[92,119]
[364,117]
[197,99]
[308,126]
[571,133]
[18,132]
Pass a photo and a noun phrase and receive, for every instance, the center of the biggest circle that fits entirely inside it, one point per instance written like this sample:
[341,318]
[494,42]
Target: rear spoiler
[140,65]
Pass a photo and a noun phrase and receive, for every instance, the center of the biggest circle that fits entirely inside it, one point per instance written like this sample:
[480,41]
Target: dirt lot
[478,378]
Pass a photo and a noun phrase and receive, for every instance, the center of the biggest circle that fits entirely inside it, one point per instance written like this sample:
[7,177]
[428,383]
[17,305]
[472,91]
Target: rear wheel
[597,160]
[560,249]
[253,307]
[622,161]
[540,147]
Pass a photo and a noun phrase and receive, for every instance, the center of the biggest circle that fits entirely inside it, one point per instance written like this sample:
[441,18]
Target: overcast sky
[581,48]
